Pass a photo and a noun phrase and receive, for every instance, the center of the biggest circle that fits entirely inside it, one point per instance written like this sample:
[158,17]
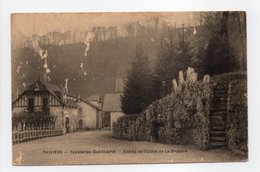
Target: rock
[175,86]
[181,78]
[206,79]
[191,75]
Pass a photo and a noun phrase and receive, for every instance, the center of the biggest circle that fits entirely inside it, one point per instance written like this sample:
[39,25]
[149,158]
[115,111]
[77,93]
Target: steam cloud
[66,84]
[194,31]
[87,41]
[43,54]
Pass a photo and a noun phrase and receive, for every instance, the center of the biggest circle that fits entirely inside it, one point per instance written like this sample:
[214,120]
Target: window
[30,104]
[44,104]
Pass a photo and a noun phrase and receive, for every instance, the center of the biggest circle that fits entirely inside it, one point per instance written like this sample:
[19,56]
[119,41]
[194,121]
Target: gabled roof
[42,85]
[94,98]
[91,104]
[112,102]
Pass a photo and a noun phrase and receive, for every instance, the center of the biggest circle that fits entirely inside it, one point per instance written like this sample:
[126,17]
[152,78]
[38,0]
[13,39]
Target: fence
[29,135]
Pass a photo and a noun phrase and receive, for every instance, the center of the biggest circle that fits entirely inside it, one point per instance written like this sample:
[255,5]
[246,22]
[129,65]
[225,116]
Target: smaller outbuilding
[111,109]
[89,115]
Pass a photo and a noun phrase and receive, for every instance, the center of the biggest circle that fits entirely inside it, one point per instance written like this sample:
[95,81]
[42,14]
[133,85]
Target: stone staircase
[218,114]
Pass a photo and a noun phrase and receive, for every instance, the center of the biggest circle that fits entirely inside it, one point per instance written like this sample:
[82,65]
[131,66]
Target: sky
[28,24]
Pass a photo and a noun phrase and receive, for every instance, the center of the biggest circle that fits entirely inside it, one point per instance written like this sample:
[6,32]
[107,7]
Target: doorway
[80,123]
[106,120]
[67,124]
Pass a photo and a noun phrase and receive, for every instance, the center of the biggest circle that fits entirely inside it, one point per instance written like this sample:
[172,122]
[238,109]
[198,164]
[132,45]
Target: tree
[217,56]
[165,66]
[138,91]
[171,59]
[184,51]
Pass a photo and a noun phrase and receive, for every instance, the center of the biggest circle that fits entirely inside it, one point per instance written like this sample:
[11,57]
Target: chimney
[119,85]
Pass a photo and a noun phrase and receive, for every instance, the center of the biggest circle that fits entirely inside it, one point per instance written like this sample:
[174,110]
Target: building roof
[42,85]
[94,98]
[98,107]
[112,102]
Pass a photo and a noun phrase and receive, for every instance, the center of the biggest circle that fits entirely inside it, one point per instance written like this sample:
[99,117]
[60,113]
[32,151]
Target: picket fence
[29,135]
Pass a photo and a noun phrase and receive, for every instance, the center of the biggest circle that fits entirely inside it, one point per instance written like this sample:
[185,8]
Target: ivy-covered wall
[237,127]
[237,114]
[183,117]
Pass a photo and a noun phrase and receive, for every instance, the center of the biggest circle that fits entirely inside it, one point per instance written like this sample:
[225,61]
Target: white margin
[252,8]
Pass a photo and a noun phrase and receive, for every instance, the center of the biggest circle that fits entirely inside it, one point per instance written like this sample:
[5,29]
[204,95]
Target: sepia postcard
[129,87]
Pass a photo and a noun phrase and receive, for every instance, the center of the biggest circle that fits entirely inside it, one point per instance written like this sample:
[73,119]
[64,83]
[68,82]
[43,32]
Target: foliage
[217,56]
[33,119]
[228,77]
[237,112]
[165,65]
[138,90]
[184,51]
[179,115]
[172,57]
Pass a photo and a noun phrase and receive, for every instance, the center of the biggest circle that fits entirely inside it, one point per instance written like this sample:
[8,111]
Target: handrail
[29,135]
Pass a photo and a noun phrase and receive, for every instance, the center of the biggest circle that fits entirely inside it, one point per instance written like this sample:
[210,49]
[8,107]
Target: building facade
[47,99]
[68,113]
[111,109]
[89,115]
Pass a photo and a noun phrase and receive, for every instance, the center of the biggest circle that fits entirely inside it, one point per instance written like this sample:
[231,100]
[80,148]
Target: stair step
[219,101]
[217,144]
[223,110]
[218,113]
[221,97]
[218,128]
[220,91]
[217,133]
[220,86]
[218,139]
[217,123]
[217,118]
[218,107]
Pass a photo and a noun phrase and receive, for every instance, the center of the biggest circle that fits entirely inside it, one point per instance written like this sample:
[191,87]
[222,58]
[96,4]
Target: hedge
[183,115]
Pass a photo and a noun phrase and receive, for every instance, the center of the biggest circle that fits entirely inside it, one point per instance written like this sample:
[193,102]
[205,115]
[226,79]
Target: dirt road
[98,147]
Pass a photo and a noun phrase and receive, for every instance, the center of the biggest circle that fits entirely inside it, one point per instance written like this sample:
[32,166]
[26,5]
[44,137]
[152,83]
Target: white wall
[57,111]
[18,109]
[72,114]
[89,116]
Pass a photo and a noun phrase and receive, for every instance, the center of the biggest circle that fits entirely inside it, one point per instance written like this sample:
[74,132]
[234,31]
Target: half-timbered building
[41,96]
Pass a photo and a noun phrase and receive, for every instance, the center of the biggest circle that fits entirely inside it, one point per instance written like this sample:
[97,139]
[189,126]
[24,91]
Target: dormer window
[36,87]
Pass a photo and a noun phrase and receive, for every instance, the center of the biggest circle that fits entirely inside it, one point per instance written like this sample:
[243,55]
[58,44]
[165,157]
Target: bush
[237,116]
[178,114]
[184,117]
[34,119]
